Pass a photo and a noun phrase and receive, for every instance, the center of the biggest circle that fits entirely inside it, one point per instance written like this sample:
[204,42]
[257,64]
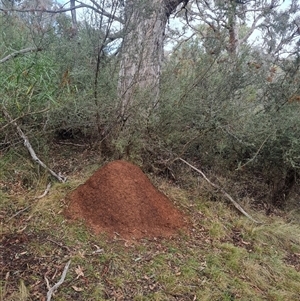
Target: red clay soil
[119,198]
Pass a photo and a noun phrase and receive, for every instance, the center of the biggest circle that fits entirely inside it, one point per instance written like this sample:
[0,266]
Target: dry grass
[223,257]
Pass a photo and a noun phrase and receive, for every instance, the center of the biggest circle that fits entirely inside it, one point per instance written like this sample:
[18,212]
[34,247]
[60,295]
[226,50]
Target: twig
[30,149]
[19,212]
[59,244]
[45,192]
[255,155]
[73,144]
[55,286]
[27,114]
[236,205]
[37,198]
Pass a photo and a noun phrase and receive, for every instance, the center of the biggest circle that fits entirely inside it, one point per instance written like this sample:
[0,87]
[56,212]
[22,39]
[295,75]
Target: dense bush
[236,116]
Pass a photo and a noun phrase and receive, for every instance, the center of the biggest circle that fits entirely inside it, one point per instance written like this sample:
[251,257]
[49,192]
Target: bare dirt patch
[293,259]
[119,198]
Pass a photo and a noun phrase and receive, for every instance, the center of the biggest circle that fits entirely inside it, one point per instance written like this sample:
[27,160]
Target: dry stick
[55,286]
[236,205]
[32,113]
[45,192]
[30,149]
[19,212]
[255,155]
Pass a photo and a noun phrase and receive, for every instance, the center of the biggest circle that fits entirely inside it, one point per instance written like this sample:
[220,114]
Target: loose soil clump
[119,198]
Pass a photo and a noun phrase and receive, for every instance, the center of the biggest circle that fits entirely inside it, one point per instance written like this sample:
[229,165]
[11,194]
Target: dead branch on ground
[236,205]
[45,192]
[55,286]
[27,144]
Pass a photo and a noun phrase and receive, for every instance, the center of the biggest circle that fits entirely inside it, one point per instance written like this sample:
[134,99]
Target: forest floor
[221,256]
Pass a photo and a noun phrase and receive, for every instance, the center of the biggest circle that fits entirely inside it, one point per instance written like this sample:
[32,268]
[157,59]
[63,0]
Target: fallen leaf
[245,242]
[79,272]
[77,289]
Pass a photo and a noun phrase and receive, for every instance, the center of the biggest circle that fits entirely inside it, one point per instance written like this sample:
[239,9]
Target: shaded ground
[21,263]
[119,199]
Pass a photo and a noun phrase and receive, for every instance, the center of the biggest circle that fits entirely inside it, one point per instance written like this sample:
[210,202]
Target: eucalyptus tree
[142,48]
[142,26]
[281,31]
[232,22]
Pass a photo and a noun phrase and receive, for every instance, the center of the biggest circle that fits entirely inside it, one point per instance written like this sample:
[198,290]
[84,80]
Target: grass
[223,257]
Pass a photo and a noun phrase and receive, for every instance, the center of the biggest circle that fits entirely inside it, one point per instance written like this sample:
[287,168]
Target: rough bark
[142,50]
[74,19]
[233,29]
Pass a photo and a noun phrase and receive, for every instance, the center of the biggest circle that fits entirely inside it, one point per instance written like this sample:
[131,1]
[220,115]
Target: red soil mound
[119,198]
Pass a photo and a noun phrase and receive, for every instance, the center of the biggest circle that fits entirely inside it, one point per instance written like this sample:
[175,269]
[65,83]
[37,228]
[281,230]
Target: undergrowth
[223,256]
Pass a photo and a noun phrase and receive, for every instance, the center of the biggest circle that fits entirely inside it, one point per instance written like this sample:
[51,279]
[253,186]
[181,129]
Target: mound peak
[119,198]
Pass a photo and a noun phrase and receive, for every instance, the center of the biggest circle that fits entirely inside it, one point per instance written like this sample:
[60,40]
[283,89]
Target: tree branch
[100,10]
[22,51]
[63,10]
[172,4]
[31,10]
[27,114]
[250,31]
[255,155]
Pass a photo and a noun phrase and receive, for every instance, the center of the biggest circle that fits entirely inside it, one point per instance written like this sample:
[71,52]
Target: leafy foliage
[236,115]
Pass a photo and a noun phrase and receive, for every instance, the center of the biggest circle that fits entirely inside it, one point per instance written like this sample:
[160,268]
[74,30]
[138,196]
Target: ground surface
[221,255]
[119,199]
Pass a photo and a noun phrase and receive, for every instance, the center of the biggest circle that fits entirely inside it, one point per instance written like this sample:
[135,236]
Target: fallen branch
[236,205]
[45,192]
[19,212]
[55,286]
[29,147]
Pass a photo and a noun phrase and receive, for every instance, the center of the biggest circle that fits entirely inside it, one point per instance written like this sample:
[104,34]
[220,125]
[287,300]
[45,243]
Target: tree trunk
[233,47]
[142,51]
[74,19]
